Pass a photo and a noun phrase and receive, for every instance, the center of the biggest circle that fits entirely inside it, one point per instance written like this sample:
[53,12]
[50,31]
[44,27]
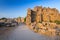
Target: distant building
[18,19]
[22,19]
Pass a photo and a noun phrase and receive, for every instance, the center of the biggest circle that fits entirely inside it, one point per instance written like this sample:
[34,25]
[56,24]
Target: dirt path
[23,33]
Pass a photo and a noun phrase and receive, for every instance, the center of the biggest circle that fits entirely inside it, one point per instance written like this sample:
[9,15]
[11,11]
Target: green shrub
[25,19]
[57,22]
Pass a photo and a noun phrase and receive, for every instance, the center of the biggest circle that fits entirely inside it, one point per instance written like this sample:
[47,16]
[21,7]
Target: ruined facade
[39,14]
[22,19]
[28,17]
[18,19]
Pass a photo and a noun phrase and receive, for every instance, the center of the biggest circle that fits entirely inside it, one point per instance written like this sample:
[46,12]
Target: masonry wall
[40,14]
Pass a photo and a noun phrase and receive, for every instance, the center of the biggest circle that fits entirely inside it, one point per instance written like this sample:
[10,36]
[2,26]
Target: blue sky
[16,8]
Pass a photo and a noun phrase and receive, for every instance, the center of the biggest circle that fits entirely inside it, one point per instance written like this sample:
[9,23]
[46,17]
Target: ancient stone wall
[28,17]
[22,19]
[39,14]
[18,19]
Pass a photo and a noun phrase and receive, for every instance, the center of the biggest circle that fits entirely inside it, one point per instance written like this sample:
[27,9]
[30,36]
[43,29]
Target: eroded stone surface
[41,20]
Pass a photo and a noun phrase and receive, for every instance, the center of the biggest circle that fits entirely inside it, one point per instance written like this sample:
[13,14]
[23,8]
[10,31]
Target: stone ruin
[19,20]
[42,14]
[41,19]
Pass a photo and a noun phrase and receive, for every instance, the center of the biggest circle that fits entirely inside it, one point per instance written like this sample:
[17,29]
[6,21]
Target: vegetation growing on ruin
[57,22]
[25,19]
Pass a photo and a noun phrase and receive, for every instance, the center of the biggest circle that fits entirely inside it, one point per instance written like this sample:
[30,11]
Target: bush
[57,22]
[25,19]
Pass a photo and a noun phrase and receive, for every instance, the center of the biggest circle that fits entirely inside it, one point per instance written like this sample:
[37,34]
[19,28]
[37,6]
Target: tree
[3,18]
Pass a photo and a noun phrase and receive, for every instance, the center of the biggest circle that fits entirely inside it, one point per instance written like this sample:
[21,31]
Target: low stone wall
[47,29]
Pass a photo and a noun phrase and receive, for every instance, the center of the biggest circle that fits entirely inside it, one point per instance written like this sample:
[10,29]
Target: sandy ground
[22,32]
